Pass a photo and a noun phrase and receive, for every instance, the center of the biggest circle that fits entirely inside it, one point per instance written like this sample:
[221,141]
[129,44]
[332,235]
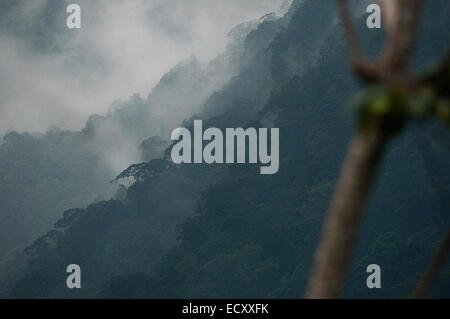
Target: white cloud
[122,48]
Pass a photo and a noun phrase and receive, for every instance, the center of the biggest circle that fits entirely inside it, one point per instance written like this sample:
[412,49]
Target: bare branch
[424,286]
[352,36]
[361,66]
[402,20]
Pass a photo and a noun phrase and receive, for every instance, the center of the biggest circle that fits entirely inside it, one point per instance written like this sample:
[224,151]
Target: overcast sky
[124,46]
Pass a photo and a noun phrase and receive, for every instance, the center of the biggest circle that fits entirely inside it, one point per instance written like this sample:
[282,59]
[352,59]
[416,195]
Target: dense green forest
[219,231]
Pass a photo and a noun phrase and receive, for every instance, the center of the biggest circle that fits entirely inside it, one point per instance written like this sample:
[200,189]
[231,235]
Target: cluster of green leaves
[388,107]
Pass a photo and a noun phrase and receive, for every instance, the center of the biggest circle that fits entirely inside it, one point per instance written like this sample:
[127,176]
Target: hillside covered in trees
[224,231]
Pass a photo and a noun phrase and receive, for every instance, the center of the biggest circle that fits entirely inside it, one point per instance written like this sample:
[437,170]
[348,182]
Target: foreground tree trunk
[390,69]
[345,215]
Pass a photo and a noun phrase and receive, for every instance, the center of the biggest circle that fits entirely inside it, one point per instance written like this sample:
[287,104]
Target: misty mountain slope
[40,177]
[253,235]
[106,145]
[43,175]
[79,165]
[122,47]
[129,115]
[249,241]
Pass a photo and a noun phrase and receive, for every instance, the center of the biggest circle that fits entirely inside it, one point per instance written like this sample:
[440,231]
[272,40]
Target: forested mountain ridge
[80,165]
[251,235]
[44,174]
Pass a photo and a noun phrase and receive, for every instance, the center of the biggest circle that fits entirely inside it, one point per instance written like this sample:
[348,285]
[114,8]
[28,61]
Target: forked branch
[347,206]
